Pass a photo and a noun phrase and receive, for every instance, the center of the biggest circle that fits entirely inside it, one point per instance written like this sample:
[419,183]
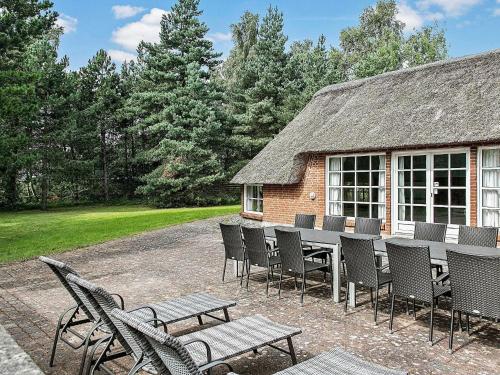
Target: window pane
[440,178]
[334,179]
[491,218]
[260,192]
[491,158]
[458,197]
[378,163]
[441,215]
[378,211]
[363,163]
[419,178]
[441,197]
[457,216]
[348,179]
[348,164]
[491,178]
[419,213]
[348,209]
[441,161]
[491,199]
[363,178]
[375,178]
[404,213]
[458,178]
[404,196]
[334,164]
[375,195]
[363,195]
[363,210]
[404,162]
[404,178]
[348,194]
[419,162]
[419,196]
[335,209]
[335,194]
[458,160]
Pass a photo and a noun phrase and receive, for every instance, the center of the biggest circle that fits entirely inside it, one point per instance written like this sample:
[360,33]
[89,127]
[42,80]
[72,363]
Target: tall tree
[22,22]
[179,110]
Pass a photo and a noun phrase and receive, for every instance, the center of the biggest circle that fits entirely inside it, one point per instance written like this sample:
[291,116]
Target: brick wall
[388,193]
[473,186]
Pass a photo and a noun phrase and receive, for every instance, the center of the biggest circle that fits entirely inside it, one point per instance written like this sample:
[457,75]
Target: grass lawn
[27,234]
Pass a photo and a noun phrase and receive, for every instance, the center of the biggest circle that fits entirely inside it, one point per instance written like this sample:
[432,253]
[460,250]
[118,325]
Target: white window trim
[327,172]
[245,208]
[479,181]
[394,170]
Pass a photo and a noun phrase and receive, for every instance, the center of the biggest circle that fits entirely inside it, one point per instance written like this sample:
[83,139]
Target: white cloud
[452,8]
[219,37]
[68,23]
[147,29]
[121,56]
[126,11]
[409,16]
[496,12]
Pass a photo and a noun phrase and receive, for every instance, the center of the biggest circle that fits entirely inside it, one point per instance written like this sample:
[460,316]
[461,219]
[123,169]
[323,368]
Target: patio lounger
[171,311]
[337,362]
[104,303]
[203,350]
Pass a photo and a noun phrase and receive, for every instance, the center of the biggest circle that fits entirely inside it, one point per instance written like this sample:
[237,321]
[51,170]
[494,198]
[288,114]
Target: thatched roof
[440,104]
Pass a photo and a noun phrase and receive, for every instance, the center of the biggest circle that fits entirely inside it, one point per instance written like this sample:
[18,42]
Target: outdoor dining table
[326,239]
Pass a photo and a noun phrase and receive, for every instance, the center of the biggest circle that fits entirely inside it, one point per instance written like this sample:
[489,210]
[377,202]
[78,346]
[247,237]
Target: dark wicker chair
[429,231]
[258,253]
[361,268]
[365,225]
[234,247]
[477,236]
[295,262]
[475,287]
[334,223]
[412,278]
[305,221]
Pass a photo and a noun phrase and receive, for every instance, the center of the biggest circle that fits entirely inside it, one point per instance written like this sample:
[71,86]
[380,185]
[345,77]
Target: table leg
[336,265]
[352,295]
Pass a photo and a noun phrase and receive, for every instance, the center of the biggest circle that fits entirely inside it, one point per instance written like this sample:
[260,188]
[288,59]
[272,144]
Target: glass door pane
[412,196]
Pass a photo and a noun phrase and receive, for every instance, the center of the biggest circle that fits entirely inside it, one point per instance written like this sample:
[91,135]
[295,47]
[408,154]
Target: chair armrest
[207,347]
[144,307]
[307,246]
[441,278]
[316,253]
[383,267]
[215,364]
[122,302]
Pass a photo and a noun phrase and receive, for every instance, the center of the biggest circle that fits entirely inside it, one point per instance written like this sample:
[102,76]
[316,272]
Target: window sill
[252,215]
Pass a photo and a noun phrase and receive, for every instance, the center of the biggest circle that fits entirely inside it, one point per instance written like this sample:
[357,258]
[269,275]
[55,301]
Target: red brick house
[419,144]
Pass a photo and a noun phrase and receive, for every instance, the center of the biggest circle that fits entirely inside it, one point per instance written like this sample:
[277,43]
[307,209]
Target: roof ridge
[357,82]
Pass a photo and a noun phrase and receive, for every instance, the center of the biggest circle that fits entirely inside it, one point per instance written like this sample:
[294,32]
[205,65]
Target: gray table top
[437,249]
[324,237]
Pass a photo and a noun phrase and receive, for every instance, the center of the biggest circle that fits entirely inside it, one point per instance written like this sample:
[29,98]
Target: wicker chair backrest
[477,236]
[334,223]
[305,221]
[104,303]
[365,225]
[61,270]
[290,245]
[233,242]
[475,283]
[430,231]
[360,261]
[255,246]
[411,271]
[170,356]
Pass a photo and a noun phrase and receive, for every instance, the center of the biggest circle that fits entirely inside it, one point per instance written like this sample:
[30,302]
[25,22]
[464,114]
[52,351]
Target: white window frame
[479,181]
[327,181]
[245,199]
[429,170]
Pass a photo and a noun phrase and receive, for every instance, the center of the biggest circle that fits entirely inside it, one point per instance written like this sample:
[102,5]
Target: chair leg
[267,282]
[376,304]
[279,285]
[392,313]
[467,323]
[450,339]
[88,338]
[414,309]
[459,321]
[200,320]
[371,296]
[331,274]
[248,274]
[407,307]
[224,270]
[295,281]
[431,330]
[303,289]
[291,350]
[346,296]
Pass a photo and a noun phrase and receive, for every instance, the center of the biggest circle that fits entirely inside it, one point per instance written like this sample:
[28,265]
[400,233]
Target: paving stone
[183,259]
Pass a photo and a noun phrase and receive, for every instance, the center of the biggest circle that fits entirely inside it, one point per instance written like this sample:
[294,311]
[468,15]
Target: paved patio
[182,259]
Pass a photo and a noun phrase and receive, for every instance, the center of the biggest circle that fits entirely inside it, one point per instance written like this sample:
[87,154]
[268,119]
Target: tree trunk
[11,187]
[45,185]
[104,159]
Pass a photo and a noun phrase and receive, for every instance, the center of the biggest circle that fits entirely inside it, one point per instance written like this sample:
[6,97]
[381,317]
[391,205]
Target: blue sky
[471,26]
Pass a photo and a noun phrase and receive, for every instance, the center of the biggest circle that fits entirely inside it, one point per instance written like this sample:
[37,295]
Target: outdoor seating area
[270,322]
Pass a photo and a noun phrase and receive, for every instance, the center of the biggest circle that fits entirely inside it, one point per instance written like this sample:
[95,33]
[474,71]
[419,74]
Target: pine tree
[178,109]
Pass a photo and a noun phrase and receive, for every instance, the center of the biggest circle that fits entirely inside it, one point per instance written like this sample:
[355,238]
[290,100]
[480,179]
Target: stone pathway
[14,360]
[187,258]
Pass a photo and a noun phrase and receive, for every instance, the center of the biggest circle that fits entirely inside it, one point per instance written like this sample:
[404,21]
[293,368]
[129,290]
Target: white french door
[431,187]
